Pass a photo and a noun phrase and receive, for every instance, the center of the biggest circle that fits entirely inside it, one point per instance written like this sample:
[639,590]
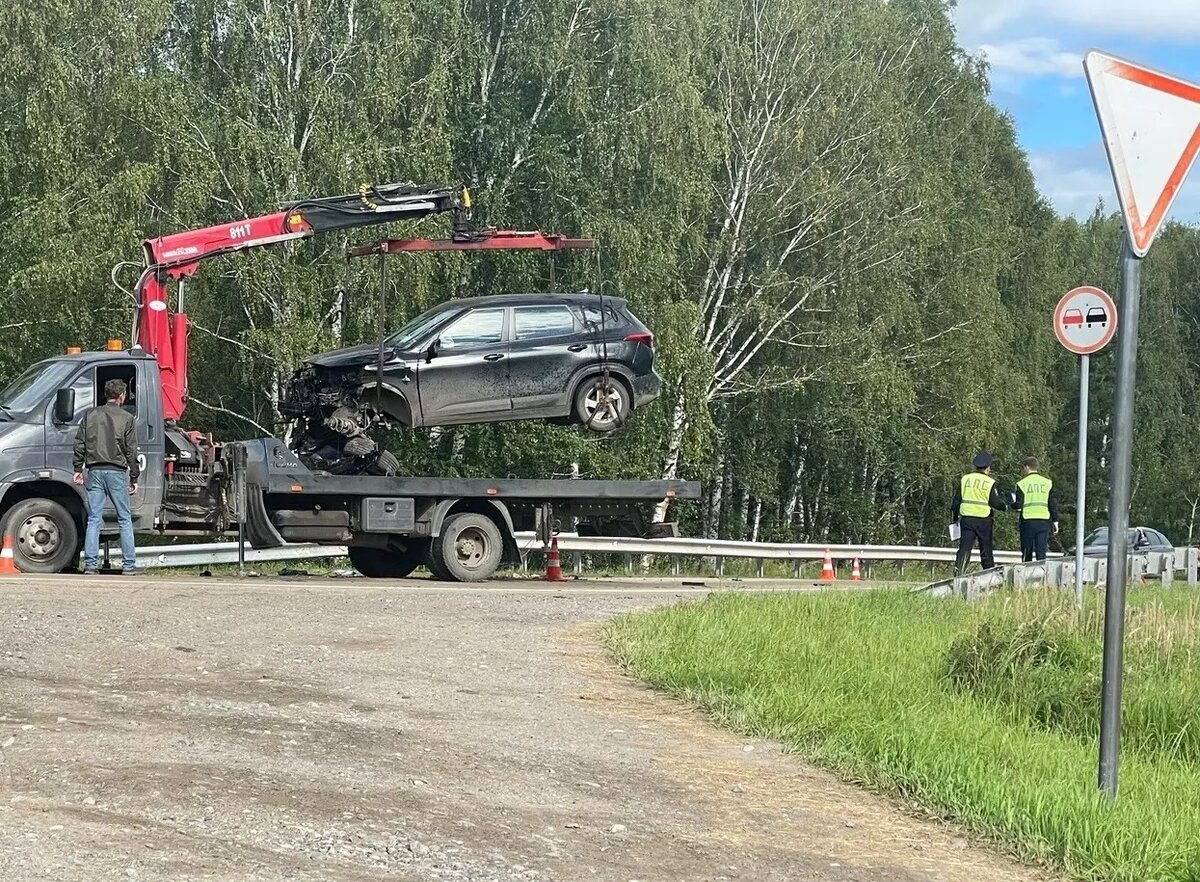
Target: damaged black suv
[571,358]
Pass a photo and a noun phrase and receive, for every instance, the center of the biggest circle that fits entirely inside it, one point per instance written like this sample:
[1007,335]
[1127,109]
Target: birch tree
[794,88]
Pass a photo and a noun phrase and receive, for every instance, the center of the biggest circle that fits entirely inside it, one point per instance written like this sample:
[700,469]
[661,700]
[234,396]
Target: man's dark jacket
[107,439]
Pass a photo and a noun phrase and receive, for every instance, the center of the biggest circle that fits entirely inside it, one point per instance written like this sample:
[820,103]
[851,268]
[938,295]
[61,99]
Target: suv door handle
[577,347]
[495,356]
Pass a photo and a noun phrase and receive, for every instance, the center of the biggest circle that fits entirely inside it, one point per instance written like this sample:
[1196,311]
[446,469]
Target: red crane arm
[178,256]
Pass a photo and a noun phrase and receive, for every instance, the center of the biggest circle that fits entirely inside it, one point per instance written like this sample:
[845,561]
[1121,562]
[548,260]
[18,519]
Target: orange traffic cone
[856,573]
[553,567]
[7,566]
[827,574]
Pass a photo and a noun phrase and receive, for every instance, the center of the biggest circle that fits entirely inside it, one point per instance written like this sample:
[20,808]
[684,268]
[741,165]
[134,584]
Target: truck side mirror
[64,405]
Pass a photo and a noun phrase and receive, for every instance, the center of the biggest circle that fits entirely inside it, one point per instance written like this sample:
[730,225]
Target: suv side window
[479,327]
[533,322]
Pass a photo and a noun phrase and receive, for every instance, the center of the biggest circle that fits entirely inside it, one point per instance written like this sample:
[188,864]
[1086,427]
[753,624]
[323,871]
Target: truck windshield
[33,387]
[415,331]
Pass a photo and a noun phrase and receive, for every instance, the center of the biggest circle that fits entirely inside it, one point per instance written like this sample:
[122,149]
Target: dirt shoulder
[347,731]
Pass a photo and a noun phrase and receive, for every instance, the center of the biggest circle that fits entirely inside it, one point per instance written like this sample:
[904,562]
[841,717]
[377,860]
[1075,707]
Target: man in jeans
[106,451]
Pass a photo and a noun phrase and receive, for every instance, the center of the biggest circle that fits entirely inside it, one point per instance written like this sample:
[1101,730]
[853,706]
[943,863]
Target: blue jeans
[110,484]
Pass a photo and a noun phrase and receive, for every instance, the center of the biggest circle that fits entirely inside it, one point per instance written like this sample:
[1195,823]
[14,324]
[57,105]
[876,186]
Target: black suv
[486,359]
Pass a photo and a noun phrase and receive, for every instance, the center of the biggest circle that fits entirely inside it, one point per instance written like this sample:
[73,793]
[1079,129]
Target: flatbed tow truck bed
[461,528]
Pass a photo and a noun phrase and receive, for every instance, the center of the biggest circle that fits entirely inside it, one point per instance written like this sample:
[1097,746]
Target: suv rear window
[612,318]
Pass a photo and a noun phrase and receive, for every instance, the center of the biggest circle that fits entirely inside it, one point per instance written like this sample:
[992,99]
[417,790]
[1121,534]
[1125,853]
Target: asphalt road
[188,729]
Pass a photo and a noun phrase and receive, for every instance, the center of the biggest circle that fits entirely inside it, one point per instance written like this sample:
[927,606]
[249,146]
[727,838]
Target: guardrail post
[1193,566]
[759,561]
[720,566]
[629,564]
[675,565]
[796,569]
[578,563]
[972,590]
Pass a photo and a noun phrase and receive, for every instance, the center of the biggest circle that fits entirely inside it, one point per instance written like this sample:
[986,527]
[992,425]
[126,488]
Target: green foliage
[858,683]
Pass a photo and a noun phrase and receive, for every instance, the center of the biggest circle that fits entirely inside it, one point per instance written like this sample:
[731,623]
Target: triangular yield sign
[1151,127]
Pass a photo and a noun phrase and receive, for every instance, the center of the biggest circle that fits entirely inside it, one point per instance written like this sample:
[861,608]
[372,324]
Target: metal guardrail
[569,543]
[1060,573]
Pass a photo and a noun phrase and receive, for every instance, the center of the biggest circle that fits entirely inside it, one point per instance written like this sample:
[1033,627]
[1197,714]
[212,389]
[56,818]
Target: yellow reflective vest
[1035,489]
[976,491]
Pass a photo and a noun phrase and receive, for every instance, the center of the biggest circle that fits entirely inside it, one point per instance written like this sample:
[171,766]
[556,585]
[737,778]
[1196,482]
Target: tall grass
[1038,659]
[981,713]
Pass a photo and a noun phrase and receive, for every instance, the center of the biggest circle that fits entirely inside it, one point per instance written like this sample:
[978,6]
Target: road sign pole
[1118,520]
[1081,477]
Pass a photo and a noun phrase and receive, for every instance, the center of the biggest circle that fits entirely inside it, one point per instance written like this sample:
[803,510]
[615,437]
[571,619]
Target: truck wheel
[45,538]
[380,563]
[469,548]
[434,565]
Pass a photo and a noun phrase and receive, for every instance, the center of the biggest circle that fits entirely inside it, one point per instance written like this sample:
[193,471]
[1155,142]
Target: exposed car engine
[331,426]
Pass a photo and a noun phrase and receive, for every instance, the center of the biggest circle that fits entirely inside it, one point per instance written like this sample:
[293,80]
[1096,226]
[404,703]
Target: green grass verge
[934,701]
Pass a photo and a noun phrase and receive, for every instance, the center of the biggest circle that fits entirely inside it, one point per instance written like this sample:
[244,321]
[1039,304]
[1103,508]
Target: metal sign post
[1118,523]
[1081,479]
[1151,127]
[1085,321]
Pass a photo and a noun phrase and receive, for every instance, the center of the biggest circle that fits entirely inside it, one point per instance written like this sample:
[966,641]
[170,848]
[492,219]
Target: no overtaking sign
[1085,320]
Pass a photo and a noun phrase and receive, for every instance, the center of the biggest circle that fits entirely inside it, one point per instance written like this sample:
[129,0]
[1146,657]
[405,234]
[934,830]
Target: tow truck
[261,489]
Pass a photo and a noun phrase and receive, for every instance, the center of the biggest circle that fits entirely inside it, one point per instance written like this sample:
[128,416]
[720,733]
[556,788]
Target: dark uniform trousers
[1035,534]
[972,530]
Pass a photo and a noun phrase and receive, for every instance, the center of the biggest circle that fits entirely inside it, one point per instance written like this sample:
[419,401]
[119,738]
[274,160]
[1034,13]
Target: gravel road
[196,729]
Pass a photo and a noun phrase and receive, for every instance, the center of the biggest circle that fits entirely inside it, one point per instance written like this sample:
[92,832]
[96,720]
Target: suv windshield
[415,331]
[33,387]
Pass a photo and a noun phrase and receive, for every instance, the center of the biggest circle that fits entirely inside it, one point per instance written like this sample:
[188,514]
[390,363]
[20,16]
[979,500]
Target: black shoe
[131,571]
[90,571]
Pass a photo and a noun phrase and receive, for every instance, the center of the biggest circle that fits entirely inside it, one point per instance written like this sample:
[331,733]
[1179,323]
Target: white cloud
[1031,57]
[1075,181]
[1170,20]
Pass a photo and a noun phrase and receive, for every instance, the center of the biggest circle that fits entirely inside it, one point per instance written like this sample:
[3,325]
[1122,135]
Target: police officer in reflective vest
[974,499]
[1035,499]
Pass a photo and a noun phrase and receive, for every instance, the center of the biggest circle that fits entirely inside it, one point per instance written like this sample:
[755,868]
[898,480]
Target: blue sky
[1035,49]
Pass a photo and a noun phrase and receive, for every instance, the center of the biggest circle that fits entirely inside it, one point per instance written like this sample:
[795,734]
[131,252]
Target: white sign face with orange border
[1085,320]
[1151,127]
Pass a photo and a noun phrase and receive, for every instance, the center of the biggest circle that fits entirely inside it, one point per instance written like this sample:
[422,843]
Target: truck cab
[41,509]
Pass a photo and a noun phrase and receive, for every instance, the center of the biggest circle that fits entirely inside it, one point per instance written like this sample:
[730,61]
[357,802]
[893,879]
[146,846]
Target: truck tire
[45,538]
[381,563]
[434,565]
[469,548]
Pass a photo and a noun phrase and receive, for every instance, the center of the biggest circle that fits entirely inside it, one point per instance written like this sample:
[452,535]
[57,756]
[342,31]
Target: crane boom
[177,257]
